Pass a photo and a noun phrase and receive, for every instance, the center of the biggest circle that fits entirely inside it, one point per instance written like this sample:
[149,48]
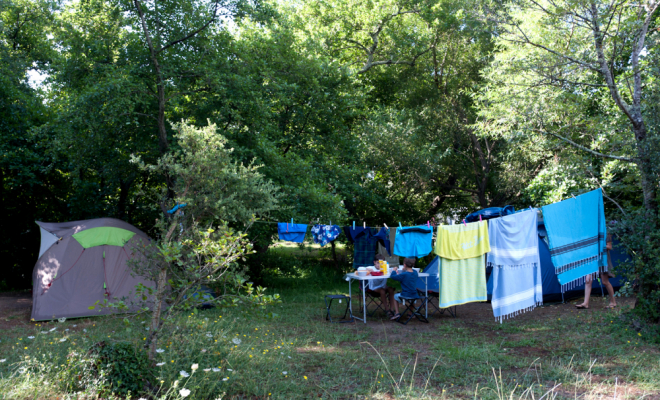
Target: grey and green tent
[81,262]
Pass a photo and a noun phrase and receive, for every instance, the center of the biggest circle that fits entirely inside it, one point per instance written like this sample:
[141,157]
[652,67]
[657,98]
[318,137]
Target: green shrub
[639,234]
[107,368]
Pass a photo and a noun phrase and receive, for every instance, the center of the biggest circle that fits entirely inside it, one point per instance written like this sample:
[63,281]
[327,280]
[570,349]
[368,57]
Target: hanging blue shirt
[383,237]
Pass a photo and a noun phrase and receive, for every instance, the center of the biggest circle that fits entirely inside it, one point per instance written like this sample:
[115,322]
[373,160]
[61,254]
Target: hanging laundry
[291,232]
[514,257]
[413,241]
[383,238]
[347,232]
[576,234]
[462,281]
[324,234]
[389,256]
[364,245]
[461,270]
[461,241]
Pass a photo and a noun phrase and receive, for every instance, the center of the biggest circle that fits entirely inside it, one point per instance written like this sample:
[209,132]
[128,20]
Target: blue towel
[413,241]
[291,232]
[514,256]
[576,232]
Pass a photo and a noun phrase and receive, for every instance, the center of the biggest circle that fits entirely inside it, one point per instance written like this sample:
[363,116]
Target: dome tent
[82,262]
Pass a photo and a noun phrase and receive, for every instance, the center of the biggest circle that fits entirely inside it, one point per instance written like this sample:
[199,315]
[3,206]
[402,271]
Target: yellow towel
[458,242]
[462,281]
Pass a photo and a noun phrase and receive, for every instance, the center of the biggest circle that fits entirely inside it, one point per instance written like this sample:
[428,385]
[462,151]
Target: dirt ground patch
[15,308]
[475,315]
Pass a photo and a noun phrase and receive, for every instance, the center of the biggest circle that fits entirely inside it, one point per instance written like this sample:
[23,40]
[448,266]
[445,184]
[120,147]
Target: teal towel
[576,232]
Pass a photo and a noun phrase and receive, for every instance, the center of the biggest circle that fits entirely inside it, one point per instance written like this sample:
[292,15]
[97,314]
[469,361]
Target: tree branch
[195,32]
[579,146]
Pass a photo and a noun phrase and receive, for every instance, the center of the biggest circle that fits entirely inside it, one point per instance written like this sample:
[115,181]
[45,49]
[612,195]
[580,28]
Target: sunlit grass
[298,355]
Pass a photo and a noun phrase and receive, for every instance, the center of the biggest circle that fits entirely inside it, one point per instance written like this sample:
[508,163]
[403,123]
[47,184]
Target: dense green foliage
[124,367]
[380,111]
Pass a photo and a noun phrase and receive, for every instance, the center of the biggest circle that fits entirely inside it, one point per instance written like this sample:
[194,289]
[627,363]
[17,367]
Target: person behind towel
[408,279]
[605,278]
[380,286]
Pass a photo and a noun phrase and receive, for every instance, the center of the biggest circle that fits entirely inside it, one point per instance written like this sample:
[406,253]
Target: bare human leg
[587,292]
[383,297]
[610,290]
[390,292]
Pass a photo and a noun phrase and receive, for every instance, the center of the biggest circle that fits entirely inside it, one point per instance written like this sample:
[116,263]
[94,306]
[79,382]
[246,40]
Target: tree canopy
[380,111]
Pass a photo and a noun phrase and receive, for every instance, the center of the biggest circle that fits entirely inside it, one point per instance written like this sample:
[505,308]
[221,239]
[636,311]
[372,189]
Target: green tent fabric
[103,235]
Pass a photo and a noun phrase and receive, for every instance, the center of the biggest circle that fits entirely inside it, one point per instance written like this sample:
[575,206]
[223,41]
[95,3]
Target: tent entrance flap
[47,240]
[103,236]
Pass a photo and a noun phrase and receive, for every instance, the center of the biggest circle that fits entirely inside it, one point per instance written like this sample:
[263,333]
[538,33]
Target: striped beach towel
[514,256]
[576,232]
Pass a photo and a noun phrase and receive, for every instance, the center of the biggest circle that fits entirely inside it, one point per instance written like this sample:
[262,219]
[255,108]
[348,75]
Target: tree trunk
[645,172]
[152,343]
[334,254]
[163,145]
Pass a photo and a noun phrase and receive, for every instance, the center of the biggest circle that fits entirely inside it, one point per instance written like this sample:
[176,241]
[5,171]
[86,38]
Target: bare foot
[611,305]
[582,306]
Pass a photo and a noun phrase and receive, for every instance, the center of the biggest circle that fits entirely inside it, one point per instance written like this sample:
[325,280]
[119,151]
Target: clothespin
[400,225]
[291,221]
[330,222]
[428,225]
[464,223]
[573,195]
[385,225]
[479,217]
[364,225]
[353,225]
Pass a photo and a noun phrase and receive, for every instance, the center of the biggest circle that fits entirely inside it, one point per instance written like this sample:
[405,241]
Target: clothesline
[319,223]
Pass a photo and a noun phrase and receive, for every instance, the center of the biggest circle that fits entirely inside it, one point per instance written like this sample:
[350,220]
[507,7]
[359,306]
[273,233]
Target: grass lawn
[554,350]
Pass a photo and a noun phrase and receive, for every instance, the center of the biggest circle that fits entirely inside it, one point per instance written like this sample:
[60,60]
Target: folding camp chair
[436,296]
[328,304]
[415,310]
[371,297]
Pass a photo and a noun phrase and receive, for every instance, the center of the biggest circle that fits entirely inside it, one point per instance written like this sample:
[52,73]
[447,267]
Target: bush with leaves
[106,368]
[196,245]
[639,234]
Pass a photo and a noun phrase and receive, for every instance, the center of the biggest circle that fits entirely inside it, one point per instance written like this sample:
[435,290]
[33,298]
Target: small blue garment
[347,232]
[383,237]
[291,232]
[324,234]
[413,241]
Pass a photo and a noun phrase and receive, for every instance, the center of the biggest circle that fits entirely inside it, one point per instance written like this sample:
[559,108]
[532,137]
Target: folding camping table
[354,277]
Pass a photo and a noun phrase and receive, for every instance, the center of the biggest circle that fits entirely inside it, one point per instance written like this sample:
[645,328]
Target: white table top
[352,275]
